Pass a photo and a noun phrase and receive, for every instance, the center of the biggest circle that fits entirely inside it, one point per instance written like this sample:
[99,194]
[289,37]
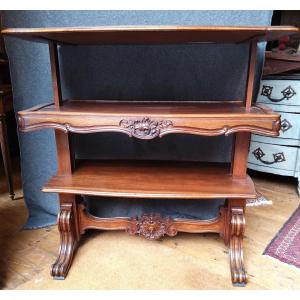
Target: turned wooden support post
[68,217]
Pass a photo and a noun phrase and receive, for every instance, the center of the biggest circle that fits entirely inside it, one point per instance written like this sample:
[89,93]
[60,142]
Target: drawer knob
[287,93]
[285,125]
[277,157]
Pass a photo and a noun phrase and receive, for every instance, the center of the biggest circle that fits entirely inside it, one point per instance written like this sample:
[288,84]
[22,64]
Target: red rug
[285,246]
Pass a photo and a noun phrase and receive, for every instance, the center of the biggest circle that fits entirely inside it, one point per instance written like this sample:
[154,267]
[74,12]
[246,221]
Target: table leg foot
[68,242]
[238,273]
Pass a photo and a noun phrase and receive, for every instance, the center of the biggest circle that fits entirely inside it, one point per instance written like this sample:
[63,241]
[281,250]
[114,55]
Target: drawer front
[271,170]
[273,156]
[290,126]
[283,92]
[275,140]
[284,108]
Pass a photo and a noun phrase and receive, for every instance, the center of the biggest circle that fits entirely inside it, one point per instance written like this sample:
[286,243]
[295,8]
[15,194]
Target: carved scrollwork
[151,226]
[238,272]
[237,221]
[67,242]
[145,128]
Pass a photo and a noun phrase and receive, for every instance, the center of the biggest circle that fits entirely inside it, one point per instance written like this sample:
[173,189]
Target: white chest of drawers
[280,155]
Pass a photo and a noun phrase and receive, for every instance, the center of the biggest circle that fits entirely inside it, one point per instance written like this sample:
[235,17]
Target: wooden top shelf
[147,120]
[152,34]
[152,180]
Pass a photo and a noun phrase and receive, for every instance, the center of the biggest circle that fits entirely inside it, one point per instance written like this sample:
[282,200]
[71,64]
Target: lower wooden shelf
[152,179]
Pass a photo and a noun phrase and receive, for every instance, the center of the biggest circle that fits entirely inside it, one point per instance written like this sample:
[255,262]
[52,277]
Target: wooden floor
[26,254]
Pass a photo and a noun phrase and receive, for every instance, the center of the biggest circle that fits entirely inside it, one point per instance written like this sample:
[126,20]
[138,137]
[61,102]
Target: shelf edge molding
[151,34]
[147,135]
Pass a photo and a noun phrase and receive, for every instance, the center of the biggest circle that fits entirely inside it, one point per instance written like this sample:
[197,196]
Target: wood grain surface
[114,260]
[147,120]
[152,180]
[152,34]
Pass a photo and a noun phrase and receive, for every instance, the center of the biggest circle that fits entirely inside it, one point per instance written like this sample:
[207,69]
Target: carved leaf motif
[145,128]
[152,226]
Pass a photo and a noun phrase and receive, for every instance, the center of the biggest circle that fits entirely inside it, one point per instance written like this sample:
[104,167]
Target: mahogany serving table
[148,120]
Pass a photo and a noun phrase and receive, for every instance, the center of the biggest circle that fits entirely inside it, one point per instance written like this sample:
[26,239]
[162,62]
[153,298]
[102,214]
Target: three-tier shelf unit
[149,120]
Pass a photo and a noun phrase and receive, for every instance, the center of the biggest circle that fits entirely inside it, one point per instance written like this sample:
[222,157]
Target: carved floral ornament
[152,226]
[145,128]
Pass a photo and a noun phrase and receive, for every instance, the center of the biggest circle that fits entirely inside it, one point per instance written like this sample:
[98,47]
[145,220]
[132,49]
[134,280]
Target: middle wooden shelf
[152,179]
[150,119]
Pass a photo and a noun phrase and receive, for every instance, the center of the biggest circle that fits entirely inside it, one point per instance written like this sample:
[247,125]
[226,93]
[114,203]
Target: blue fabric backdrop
[186,72]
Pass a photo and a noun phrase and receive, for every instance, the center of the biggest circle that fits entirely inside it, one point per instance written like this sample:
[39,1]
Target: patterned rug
[285,246]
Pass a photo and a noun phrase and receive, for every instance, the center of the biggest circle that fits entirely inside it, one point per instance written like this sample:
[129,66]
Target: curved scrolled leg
[238,273]
[68,242]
